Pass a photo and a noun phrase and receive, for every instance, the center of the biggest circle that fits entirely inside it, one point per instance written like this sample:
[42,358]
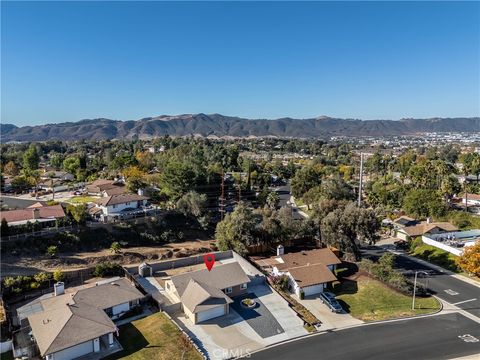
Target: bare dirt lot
[22,265]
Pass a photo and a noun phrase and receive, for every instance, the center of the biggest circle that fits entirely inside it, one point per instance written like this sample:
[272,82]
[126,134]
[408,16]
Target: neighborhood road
[448,288]
[434,337]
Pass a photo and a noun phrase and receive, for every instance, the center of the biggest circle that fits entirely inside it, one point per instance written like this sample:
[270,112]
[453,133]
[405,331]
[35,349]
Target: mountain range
[216,125]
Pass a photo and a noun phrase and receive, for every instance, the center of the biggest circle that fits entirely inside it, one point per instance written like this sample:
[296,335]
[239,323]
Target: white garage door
[312,290]
[211,313]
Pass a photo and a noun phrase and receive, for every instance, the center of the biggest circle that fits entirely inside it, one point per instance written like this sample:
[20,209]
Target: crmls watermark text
[227,354]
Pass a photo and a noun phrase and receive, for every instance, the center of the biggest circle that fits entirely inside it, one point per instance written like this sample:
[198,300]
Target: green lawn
[436,256]
[153,337]
[368,299]
[81,199]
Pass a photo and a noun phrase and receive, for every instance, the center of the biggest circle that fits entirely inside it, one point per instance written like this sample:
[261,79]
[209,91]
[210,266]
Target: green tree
[176,179]
[71,164]
[192,203]
[422,203]
[273,200]
[52,250]
[305,179]
[115,247]
[4,228]
[31,158]
[235,231]
[78,212]
[450,186]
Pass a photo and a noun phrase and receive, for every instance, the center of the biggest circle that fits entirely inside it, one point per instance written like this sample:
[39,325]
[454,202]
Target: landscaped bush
[434,255]
[383,270]
[107,269]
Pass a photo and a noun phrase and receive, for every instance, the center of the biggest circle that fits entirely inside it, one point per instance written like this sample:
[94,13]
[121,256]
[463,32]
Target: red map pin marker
[209,260]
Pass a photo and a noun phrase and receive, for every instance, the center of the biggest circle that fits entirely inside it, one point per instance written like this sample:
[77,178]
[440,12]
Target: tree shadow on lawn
[132,340]
[345,287]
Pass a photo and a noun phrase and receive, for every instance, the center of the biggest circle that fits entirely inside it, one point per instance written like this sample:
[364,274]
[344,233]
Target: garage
[312,290]
[211,313]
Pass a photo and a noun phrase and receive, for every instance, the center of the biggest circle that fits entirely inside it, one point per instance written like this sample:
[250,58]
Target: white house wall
[121,308]
[113,209]
[73,352]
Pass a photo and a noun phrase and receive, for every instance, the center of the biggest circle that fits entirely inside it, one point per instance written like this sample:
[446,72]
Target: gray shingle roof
[199,297]
[220,277]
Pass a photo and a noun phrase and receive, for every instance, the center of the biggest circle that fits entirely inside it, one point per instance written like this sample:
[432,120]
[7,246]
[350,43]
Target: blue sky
[66,61]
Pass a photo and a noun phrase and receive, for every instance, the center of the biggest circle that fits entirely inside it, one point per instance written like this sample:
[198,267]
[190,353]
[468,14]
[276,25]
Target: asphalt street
[434,337]
[446,287]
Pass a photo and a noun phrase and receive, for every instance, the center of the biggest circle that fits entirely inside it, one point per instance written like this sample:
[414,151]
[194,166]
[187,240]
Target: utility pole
[360,185]
[222,197]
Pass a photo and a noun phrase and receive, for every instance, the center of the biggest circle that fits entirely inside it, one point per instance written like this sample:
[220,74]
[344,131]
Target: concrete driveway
[232,336]
[329,319]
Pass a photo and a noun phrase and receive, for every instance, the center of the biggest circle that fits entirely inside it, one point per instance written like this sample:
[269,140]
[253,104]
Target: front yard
[153,337]
[369,300]
[82,199]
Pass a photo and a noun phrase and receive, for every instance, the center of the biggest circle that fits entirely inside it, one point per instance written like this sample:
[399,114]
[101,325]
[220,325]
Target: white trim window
[228,290]
[243,286]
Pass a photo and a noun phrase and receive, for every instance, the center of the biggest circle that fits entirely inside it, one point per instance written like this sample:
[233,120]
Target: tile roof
[404,220]
[472,196]
[317,256]
[44,212]
[309,275]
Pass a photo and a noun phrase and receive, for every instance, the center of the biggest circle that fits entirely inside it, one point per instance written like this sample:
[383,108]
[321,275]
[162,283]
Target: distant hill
[222,126]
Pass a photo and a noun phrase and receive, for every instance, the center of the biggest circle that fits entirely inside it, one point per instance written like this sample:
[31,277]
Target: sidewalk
[438,268]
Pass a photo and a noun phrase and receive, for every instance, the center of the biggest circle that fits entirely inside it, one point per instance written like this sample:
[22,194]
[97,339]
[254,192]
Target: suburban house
[100,186]
[115,204]
[308,272]
[38,212]
[471,199]
[60,175]
[404,221]
[425,227]
[207,294]
[64,326]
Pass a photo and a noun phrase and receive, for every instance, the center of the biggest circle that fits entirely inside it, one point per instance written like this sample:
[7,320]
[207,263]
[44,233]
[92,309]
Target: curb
[345,328]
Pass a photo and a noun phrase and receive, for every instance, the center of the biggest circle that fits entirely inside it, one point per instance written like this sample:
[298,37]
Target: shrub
[58,275]
[107,269]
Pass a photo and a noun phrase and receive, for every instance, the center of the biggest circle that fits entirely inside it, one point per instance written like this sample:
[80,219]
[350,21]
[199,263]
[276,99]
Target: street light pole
[415,287]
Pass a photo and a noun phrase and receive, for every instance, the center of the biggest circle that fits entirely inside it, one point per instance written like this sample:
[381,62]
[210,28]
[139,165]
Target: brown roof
[311,275]
[220,277]
[100,185]
[472,196]
[118,189]
[199,297]
[318,256]
[120,199]
[425,227]
[404,220]
[44,212]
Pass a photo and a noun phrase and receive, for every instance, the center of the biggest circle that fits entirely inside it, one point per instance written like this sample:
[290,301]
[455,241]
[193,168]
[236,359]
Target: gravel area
[259,318]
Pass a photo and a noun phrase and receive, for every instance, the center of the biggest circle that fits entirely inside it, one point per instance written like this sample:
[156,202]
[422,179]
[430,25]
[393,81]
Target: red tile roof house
[34,213]
[308,271]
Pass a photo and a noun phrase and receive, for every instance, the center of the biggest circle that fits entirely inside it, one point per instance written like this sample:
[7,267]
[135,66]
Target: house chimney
[429,220]
[35,214]
[140,192]
[59,288]
[280,250]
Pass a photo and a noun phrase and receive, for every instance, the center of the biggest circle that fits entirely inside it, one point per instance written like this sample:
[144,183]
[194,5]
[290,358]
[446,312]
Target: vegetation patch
[434,255]
[154,337]
[369,300]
